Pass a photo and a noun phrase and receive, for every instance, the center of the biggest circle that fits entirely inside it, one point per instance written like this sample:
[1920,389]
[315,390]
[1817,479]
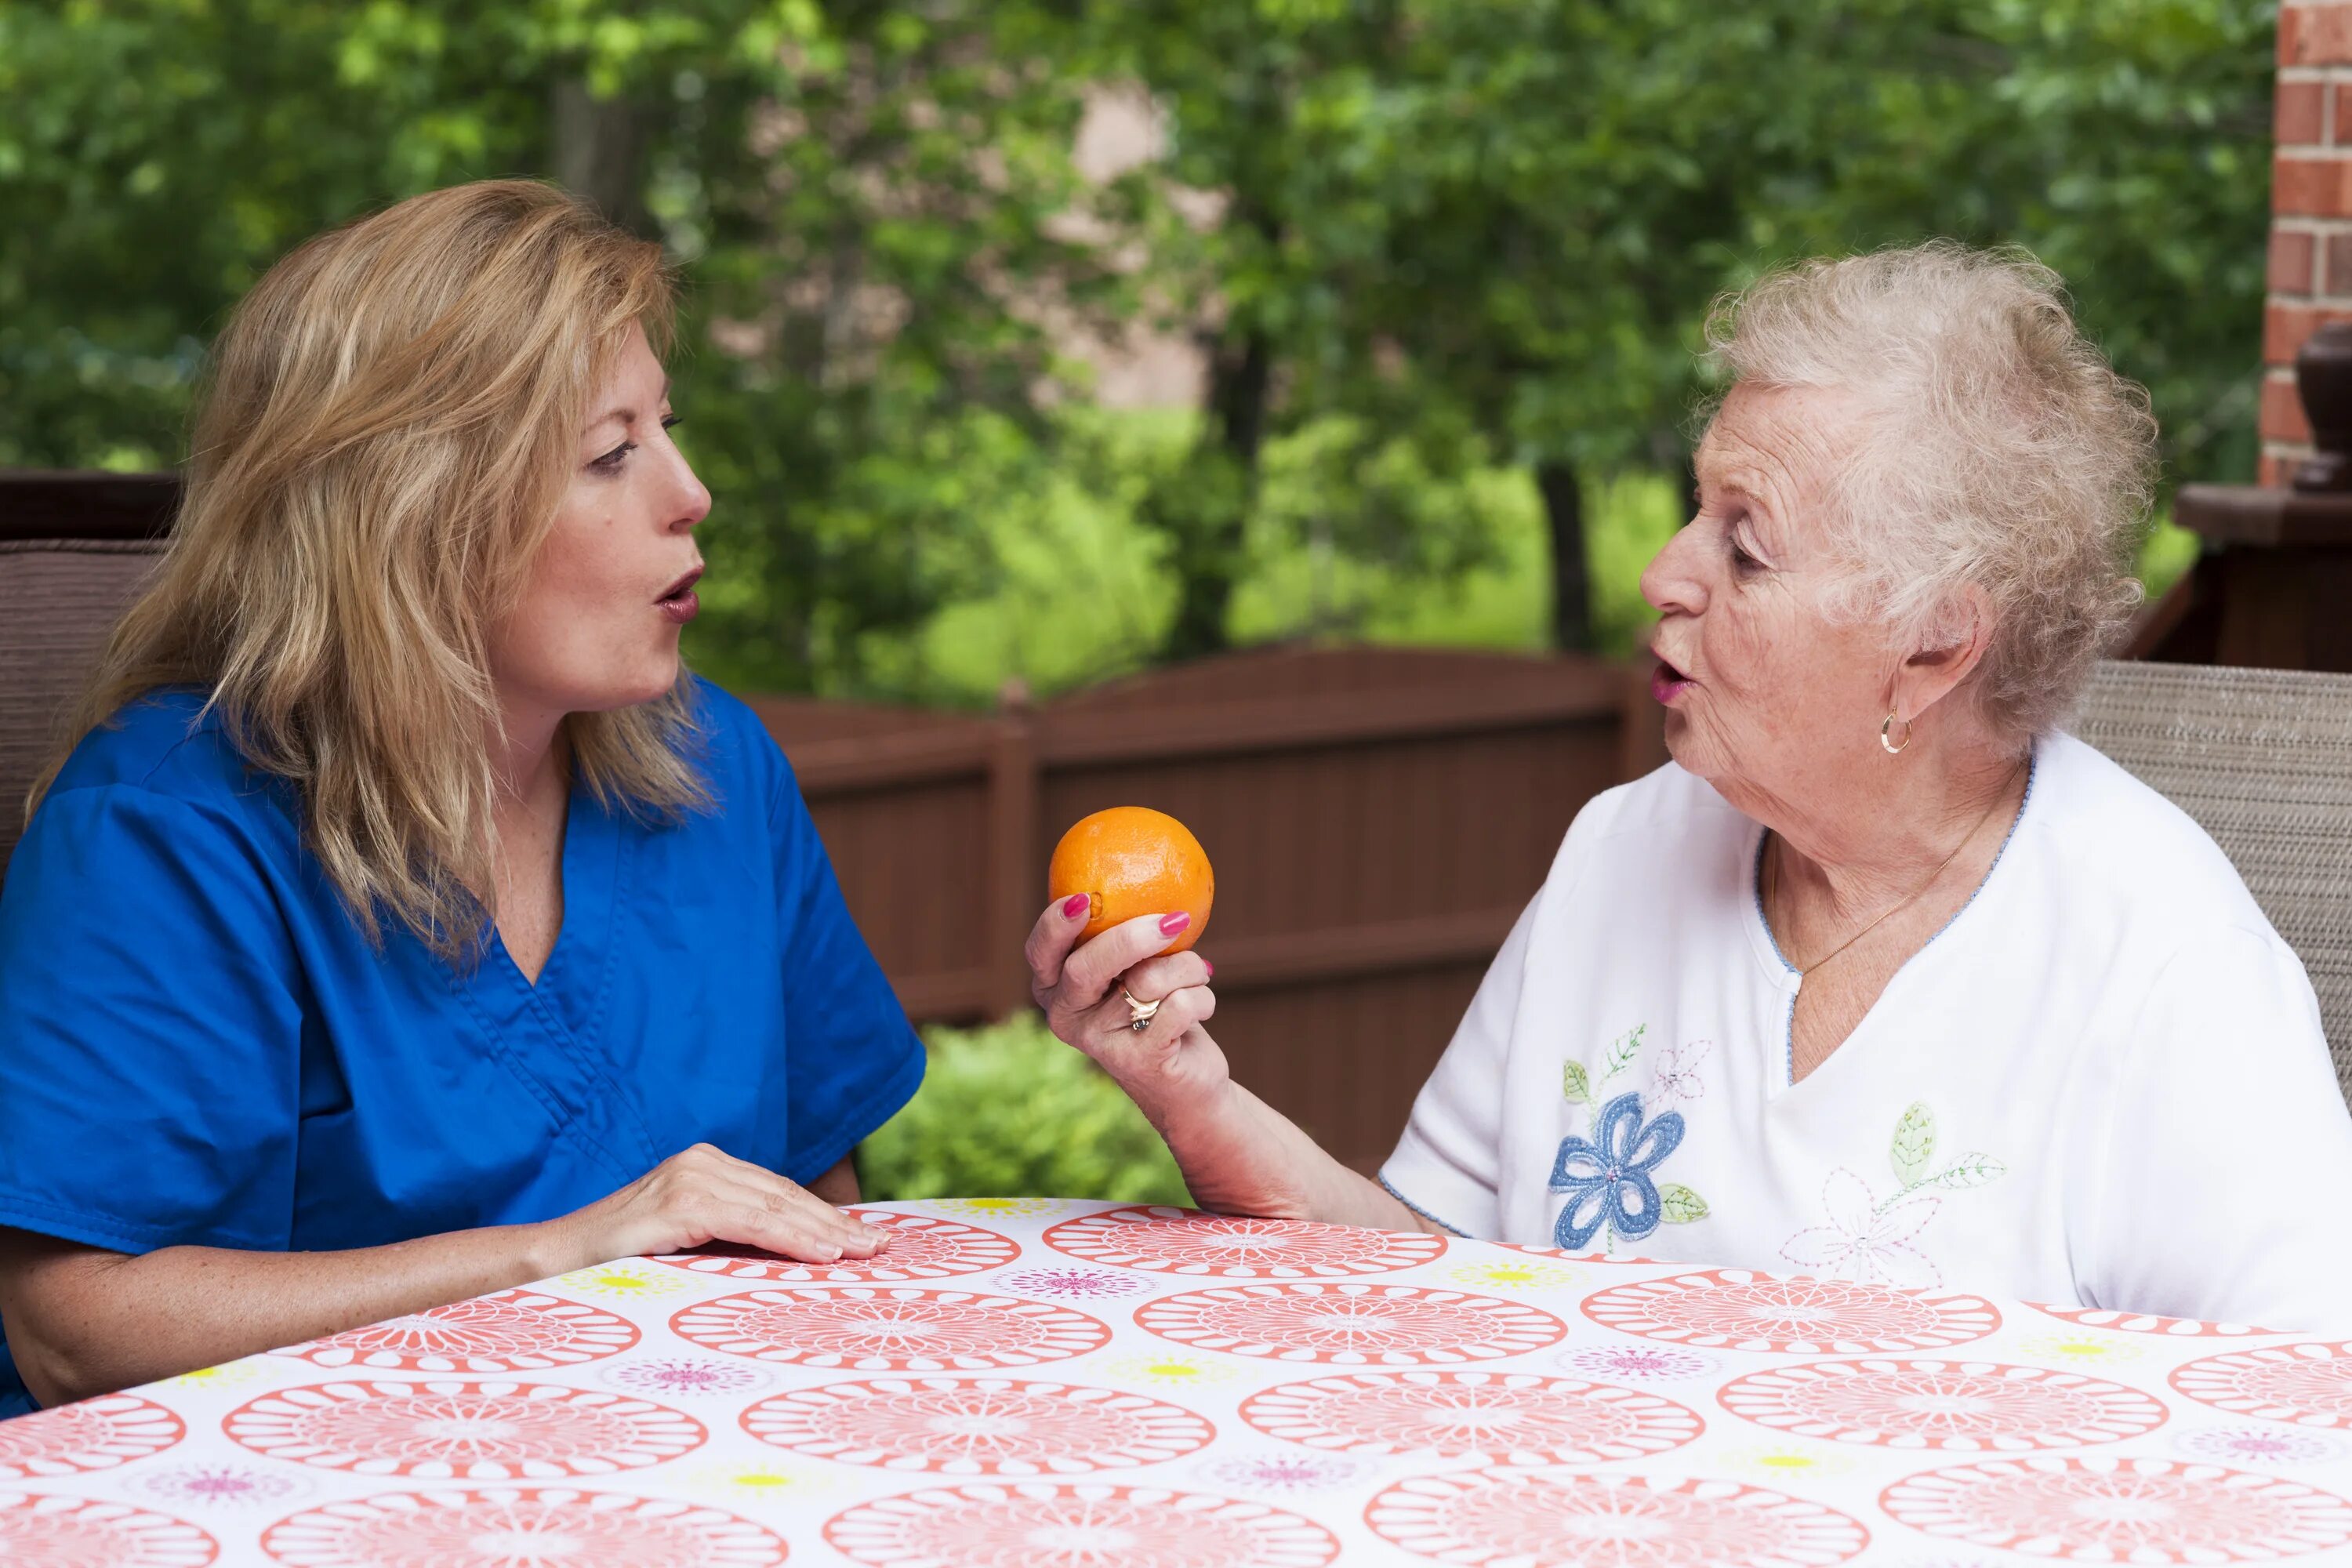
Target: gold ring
[1139,1014]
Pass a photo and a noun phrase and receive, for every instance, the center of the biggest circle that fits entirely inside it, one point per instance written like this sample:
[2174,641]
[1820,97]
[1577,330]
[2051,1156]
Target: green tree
[861,194]
[1491,228]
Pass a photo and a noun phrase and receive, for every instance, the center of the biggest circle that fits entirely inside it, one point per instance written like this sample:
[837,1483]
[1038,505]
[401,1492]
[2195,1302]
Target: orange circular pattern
[872,1329]
[1351,1324]
[514,1331]
[43,1531]
[1515,1416]
[463,1431]
[1948,1404]
[95,1434]
[1181,1241]
[922,1247]
[503,1527]
[1134,861]
[977,1426]
[1732,1309]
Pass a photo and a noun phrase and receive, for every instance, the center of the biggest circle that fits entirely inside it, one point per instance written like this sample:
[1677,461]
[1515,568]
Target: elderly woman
[1884,977]
[405,924]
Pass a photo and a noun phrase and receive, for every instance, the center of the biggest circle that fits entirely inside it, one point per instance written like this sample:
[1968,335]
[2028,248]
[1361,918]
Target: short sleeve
[149,1038]
[1447,1167]
[2221,1180]
[851,1058]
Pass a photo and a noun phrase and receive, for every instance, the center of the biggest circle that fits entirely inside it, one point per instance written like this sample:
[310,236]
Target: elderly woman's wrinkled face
[597,627]
[1768,697]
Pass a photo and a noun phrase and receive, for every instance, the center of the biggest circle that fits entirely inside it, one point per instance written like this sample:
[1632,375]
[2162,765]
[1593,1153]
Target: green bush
[1010,1112]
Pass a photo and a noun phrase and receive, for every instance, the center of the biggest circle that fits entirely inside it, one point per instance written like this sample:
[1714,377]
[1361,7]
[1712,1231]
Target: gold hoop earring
[1887,735]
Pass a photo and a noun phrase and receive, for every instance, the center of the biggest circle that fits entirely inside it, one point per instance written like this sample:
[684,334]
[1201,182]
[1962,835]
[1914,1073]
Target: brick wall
[2310,211]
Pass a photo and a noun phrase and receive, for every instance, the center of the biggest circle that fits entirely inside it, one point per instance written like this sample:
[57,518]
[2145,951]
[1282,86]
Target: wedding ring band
[1139,1014]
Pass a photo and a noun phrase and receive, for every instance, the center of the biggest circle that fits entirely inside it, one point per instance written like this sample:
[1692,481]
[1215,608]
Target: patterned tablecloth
[1033,1384]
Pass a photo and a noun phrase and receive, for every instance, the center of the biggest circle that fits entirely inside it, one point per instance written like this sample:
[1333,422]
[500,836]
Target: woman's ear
[1953,647]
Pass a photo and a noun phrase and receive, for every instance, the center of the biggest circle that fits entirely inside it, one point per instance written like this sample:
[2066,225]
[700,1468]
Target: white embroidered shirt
[2103,1085]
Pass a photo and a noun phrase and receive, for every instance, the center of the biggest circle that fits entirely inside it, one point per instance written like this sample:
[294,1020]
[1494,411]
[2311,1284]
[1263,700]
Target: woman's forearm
[84,1323]
[1240,1155]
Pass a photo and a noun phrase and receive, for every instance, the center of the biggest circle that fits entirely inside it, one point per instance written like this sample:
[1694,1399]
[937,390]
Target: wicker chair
[2262,760]
[74,549]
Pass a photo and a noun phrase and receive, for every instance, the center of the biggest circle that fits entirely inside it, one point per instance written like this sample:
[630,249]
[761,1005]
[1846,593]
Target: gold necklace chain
[1772,880]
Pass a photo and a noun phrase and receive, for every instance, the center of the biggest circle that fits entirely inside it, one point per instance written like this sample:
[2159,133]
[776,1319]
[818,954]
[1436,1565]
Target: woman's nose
[692,503]
[1672,583]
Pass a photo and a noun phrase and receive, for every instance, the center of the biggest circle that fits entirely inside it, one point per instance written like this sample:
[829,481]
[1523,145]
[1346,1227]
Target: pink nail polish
[1209,967]
[1075,905]
[1173,925]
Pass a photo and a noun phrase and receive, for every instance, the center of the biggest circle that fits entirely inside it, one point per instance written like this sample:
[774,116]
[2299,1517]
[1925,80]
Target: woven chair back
[2262,760]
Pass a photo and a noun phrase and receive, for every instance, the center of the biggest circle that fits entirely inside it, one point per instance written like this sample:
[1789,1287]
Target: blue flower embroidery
[1607,1176]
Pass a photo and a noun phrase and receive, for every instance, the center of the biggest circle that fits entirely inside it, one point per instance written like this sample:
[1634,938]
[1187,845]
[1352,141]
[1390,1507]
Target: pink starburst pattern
[978,1426]
[2308,1383]
[510,1527]
[1038,1524]
[1638,1364]
[1182,1241]
[1966,1406]
[922,1247]
[1493,1415]
[39,1532]
[687,1374]
[1351,1324]
[463,1431]
[216,1485]
[1552,1519]
[95,1434]
[894,1328]
[2148,1323]
[1290,1472]
[1735,1309]
[514,1331]
[2258,1445]
[1073,1284]
[2107,1509]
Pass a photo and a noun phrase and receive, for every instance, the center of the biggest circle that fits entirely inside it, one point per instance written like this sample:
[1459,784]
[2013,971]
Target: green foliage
[860,192]
[1010,1111]
[1455,239]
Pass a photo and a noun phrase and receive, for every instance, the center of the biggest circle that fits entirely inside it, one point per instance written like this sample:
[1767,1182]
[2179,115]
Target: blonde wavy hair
[390,420]
[1995,447]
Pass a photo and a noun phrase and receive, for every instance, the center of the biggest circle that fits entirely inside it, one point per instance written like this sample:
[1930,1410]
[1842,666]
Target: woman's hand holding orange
[1083,989]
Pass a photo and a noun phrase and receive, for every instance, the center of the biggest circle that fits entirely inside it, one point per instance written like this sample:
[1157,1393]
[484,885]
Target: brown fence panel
[1377,817]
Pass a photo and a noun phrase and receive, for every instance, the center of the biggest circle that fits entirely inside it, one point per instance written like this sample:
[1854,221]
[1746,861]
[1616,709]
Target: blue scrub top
[198,1046]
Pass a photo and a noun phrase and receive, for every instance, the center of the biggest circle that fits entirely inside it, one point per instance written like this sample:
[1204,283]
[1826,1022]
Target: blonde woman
[405,923]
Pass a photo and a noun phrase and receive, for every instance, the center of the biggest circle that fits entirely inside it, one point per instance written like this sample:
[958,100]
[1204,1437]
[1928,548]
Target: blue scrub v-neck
[199,1046]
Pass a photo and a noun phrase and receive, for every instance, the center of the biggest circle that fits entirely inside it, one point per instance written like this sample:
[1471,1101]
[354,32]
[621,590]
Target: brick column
[2311,213]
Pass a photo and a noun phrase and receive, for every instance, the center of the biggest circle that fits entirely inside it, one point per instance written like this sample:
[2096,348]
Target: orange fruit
[1135,861]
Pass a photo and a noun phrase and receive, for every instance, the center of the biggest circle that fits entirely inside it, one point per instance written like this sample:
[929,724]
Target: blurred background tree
[1445,262]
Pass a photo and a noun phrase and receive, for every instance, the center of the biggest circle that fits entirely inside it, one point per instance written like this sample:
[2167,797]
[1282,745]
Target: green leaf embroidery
[1914,1144]
[1574,1084]
[1681,1205]
[1622,1052]
[1970,1170]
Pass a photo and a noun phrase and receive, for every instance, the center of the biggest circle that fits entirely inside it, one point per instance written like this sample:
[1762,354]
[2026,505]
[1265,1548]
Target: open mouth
[679,605]
[1667,682]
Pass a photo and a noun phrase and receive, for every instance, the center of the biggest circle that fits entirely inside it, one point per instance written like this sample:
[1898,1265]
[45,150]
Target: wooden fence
[1377,817]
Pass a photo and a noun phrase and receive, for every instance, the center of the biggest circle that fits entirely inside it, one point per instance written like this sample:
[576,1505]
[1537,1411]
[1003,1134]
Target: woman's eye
[672,421]
[610,463]
[1741,561]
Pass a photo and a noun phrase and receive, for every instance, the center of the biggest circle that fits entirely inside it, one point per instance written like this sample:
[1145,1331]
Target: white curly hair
[1996,448]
